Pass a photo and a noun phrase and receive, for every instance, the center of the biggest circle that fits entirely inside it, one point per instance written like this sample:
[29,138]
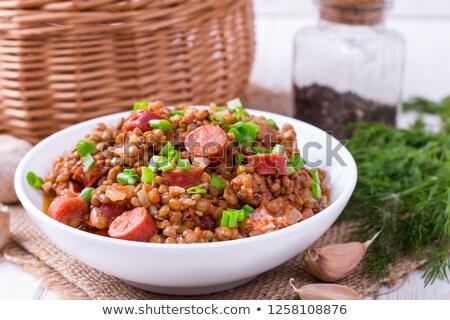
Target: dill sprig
[404,189]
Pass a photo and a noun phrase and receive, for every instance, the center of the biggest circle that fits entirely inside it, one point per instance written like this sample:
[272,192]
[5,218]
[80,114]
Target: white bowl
[187,268]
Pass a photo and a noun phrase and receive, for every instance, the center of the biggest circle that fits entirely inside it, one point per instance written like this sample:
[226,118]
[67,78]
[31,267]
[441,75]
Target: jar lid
[355,12]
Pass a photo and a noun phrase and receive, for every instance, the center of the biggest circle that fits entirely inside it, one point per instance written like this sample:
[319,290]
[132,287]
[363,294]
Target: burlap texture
[34,252]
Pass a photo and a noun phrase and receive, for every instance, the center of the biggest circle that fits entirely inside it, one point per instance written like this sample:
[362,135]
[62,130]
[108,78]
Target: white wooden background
[426,27]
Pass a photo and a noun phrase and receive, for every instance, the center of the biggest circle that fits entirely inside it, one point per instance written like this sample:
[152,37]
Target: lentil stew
[184,175]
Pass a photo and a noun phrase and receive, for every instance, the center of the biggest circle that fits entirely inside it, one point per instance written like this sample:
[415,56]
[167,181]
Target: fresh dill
[404,189]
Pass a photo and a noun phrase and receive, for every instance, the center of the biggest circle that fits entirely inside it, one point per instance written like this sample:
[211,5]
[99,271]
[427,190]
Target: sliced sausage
[135,225]
[266,134]
[140,119]
[103,215]
[262,222]
[75,187]
[268,164]
[69,210]
[89,178]
[183,178]
[207,141]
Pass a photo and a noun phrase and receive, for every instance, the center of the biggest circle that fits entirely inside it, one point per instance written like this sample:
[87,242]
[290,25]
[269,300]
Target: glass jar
[348,67]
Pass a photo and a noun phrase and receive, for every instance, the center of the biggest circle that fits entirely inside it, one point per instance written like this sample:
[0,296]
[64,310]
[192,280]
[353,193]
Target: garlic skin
[12,151]
[4,225]
[334,262]
[323,291]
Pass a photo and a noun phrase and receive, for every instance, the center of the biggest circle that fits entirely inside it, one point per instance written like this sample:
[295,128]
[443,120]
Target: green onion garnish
[316,190]
[34,180]
[153,165]
[147,175]
[88,162]
[86,194]
[168,147]
[183,164]
[271,122]
[176,113]
[174,155]
[290,168]
[296,162]
[167,167]
[235,105]
[247,210]
[247,131]
[216,118]
[194,190]
[128,176]
[315,175]
[279,148]
[242,116]
[218,183]
[140,105]
[219,109]
[160,124]
[239,158]
[225,218]
[260,150]
[231,217]
[85,147]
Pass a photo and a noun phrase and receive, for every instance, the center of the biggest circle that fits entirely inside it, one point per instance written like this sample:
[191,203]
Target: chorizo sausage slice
[269,163]
[184,178]
[140,119]
[207,141]
[135,225]
[89,178]
[107,211]
[69,210]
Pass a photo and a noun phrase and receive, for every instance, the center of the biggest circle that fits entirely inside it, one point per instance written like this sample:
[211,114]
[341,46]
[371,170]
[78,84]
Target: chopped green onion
[168,147]
[153,165]
[219,109]
[296,162]
[241,215]
[218,183]
[217,118]
[247,131]
[239,158]
[279,148]
[147,175]
[271,122]
[176,113]
[88,162]
[183,164]
[316,190]
[242,116]
[290,168]
[315,175]
[140,105]
[235,105]
[167,167]
[160,124]
[85,147]
[174,155]
[194,190]
[34,180]
[128,176]
[233,220]
[247,210]
[260,150]
[86,194]
[225,218]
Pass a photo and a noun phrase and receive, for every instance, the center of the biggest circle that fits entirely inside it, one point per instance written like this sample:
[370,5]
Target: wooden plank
[16,284]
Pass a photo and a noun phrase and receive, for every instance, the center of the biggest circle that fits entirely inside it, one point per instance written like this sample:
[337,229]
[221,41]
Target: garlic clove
[334,262]
[323,291]
[4,225]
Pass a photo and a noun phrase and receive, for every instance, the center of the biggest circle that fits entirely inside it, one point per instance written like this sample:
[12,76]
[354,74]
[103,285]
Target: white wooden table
[426,27]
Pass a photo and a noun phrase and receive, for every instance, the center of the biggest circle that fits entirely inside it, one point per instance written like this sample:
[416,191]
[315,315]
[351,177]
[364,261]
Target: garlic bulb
[323,291]
[334,262]
[4,225]
[12,151]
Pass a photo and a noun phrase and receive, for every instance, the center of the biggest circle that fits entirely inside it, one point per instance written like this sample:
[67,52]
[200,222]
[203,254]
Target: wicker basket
[62,62]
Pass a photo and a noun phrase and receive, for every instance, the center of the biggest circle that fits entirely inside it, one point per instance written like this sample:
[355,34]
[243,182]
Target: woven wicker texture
[75,280]
[62,62]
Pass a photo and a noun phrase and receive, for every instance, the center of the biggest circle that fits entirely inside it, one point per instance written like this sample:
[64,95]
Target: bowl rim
[34,211]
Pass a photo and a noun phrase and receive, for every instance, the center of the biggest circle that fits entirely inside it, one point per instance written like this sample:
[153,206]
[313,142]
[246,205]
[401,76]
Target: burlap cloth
[36,254]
